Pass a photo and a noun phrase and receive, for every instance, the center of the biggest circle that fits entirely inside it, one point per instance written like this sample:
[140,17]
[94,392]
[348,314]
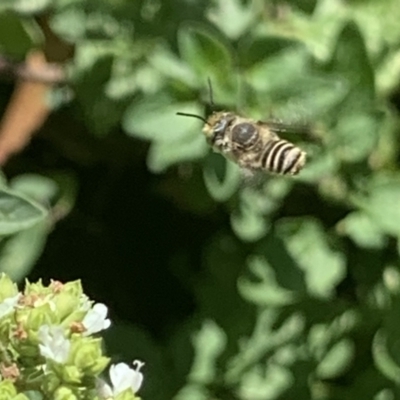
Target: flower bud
[86,354]
[64,393]
[50,382]
[126,395]
[70,373]
[7,287]
[9,305]
[39,316]
[65,304]
[36,288]
[74,288]
[9,392]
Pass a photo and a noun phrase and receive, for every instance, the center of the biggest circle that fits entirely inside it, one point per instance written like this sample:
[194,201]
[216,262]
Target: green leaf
[3,180]
[163,154]
[250,219]
[6,5]
[221,177]
[232,17]
[206,54]
[362,230]
[209,343]
[192,391]
[38,187]
[156,119]
[288,87]
[388,74]
[223,260]
[306,6]
[14,37]
[264,339]
[254,50]
[20,252]
[18,213]
[100,111]
[382,358]
[279,72]
[378,21]
[355,136]
[70,22]
[31,6]
[137,78]
[336,360]
[382,204]
[248,224]
[264,290]
[386,345]
[351,61]
[385,394]
[32,395]
[319,167]
[318,32]
[310,98]
[270,382]
[287,274]
[307,243]
[170,65]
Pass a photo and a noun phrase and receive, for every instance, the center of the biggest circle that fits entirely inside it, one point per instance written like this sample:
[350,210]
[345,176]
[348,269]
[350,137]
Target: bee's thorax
[245,135]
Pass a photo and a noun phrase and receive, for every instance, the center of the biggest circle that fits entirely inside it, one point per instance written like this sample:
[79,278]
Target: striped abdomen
[282,157]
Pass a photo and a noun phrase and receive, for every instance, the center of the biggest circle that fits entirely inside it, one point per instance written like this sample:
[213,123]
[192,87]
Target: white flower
[54,344]
[103,390]
[7,305]
[95,320]
[122,378]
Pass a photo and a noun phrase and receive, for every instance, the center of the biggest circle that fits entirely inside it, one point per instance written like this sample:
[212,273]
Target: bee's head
[218,121]
[217,124]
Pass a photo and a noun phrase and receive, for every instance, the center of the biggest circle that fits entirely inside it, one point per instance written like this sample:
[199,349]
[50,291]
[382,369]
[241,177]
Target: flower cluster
[47,345]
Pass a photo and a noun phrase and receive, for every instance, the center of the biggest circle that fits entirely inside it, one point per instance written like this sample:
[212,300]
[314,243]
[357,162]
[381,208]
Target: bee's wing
[280,127]
[292,131]
[252,178]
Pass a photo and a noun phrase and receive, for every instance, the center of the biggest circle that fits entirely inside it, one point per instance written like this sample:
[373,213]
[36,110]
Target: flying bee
[253,145]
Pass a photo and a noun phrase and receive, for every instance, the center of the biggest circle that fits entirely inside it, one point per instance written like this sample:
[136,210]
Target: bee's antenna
[211,104]
[211,93]
[192,115]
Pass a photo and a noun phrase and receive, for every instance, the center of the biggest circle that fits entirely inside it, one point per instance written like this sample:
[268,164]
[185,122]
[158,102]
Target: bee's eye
[221,126]
[244,133]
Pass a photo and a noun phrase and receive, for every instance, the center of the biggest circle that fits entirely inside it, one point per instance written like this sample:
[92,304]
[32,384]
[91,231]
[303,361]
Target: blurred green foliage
[299,297]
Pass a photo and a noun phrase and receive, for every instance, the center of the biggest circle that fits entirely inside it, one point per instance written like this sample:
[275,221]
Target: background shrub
[228,290]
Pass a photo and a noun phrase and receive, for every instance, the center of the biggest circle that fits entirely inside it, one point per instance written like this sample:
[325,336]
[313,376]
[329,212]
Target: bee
[253,145]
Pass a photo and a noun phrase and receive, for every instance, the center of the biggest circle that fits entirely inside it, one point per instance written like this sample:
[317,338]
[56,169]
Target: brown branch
[27,109]
[25,113]
[48,73]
